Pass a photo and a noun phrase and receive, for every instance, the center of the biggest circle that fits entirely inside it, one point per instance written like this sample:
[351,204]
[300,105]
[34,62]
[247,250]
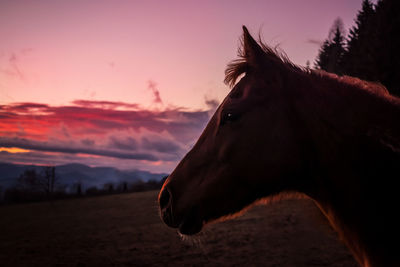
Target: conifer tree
[331,53]
[372,51]
[360,57]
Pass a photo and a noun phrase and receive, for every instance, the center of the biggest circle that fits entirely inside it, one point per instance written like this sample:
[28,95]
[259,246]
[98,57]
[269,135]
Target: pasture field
[125,230]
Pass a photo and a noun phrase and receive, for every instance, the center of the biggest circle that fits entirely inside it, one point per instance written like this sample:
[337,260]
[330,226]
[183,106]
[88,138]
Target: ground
[125,230]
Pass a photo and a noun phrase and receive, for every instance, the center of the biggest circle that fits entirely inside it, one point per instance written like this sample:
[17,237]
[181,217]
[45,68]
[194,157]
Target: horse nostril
[164,198]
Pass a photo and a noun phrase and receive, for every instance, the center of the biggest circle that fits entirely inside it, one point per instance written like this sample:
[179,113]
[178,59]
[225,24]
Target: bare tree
[108,187]
[48,180]
[77,188]
[29,181]
[34,182]
[123,186]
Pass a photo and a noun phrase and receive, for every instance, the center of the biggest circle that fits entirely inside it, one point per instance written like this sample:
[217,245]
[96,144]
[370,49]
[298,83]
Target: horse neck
[344,122]
[353,151]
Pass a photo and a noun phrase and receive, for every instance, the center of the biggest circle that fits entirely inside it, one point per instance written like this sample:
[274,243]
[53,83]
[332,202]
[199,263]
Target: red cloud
[101,128]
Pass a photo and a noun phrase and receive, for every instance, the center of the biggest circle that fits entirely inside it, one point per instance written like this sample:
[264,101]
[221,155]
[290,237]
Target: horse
[285,129]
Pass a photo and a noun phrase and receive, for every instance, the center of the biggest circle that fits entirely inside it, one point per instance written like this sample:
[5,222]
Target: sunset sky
[131,84]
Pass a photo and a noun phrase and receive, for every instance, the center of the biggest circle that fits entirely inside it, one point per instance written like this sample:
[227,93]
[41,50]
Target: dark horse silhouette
[286,129]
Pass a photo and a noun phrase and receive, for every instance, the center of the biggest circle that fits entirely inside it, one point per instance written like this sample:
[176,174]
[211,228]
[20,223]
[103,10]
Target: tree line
[371,50]
[44,185]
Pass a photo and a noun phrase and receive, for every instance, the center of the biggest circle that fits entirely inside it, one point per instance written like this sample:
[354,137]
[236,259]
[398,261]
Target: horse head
[248,150]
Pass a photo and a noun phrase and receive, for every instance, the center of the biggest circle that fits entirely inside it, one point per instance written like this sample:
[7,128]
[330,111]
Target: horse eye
[228,117]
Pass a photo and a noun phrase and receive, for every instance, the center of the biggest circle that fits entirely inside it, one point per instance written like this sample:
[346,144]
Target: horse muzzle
[165,202]
[188,224]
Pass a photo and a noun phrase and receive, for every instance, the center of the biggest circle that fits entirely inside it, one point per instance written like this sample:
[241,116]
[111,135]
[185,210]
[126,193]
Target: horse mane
[240,66]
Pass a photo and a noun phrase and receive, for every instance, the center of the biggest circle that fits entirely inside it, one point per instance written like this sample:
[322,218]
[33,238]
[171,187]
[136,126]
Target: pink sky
[127,57]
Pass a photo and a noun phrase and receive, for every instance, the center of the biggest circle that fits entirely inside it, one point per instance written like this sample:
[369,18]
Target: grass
[125,230]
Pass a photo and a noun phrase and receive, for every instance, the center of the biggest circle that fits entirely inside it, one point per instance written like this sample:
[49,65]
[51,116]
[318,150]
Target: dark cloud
[211,103]
[88,142]
[45,158]
[126,143]
[35,157]
[163,146]
[13,67]
[13,60]
[44,146]
[152,86]
[314,41]
[24,107]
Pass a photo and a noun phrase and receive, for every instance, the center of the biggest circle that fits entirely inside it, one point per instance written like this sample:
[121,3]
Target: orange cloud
[14,150]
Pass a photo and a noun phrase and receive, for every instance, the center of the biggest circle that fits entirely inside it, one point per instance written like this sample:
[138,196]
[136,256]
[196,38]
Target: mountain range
[70,174]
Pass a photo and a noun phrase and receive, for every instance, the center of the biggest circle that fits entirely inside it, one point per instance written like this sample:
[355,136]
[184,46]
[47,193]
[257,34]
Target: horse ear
[253,53]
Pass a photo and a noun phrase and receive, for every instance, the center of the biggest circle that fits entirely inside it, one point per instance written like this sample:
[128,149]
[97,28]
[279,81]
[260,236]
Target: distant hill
[71,174]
